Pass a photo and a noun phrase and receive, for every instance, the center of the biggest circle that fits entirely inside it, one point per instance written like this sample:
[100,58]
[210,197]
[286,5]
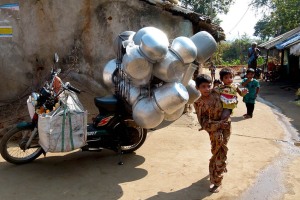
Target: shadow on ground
[78,175]
[237,119]
[198,190]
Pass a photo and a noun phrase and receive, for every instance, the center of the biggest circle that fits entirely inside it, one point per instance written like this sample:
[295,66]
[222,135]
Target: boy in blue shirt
[253,88]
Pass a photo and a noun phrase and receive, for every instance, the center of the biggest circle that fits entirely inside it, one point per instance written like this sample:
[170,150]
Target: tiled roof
[200,22]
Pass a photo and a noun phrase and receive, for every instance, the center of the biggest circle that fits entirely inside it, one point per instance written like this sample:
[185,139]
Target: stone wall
[81,31]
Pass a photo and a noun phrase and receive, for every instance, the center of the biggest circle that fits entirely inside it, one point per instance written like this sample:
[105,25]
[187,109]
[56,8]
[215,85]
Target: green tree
[208,7]
[283,16]
[233,52]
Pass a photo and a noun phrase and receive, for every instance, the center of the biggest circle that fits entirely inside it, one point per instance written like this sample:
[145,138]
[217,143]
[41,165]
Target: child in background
[212,69]
[253,88]
[228,92]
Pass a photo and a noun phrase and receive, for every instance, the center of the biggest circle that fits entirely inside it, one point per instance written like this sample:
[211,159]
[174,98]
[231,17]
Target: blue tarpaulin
[288,41]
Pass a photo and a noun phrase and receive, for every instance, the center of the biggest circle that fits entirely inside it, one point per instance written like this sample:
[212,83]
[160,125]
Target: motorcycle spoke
[14,149]
[19,153]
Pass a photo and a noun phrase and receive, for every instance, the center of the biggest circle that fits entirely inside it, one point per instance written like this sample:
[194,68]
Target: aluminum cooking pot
[154,46]
[107,74]
[138,69]
[146,30]
[194,94]
[119,42]
[146,113]
[170,97]
[170,69]
[174,116]
[133,93]
[188,75]
[206,45]
[185,49]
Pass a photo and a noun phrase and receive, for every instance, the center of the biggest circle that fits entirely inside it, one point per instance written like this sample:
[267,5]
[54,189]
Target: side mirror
[56,58]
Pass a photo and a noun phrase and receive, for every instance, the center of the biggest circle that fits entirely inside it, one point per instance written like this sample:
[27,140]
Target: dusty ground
[172,164]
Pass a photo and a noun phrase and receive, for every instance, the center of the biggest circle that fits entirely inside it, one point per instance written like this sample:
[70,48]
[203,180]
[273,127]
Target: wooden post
[282,57]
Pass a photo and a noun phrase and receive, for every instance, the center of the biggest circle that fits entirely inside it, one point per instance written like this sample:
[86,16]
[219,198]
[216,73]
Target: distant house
[287,47]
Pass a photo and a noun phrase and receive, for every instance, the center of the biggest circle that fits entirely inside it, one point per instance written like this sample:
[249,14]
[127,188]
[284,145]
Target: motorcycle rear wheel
[11,147]
[137,145]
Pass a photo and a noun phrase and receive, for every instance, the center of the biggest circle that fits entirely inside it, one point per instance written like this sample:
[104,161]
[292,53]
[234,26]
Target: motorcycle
[258,72]
[112,129]
[243,72]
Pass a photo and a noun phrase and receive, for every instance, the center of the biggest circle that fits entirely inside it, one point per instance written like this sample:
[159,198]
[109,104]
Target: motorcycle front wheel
[12,146]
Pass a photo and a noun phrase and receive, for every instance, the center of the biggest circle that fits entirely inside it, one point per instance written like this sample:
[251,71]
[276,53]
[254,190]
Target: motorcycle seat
[106,104]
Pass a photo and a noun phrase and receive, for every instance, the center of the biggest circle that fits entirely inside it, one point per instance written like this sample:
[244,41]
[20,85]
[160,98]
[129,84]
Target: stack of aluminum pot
[154,76]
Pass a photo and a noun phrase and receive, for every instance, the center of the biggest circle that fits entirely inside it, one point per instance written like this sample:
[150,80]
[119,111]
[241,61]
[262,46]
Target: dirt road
[172,164]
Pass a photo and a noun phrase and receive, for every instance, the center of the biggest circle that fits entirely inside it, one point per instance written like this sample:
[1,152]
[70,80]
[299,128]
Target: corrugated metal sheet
[279,39]
[288,42]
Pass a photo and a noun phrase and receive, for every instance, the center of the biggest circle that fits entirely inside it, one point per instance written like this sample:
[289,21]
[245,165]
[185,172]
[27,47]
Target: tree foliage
[233,52]
[282,16]
[208,7]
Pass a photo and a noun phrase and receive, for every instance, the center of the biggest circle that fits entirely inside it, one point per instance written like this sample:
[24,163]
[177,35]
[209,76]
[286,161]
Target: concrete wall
[83,29]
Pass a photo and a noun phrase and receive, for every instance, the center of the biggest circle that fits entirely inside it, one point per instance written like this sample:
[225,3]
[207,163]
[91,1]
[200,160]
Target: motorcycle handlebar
[70,87]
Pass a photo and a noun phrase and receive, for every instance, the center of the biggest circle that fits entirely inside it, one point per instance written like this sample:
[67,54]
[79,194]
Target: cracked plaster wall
[43,27]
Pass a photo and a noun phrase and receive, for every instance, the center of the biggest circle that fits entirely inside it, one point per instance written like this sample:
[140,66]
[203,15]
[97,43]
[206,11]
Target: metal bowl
[108,74]
[170,69]
[206,45]
[154,46]
[138,69]
[146,113]
[174,116]
[170,97]
[194,94]
[185,49]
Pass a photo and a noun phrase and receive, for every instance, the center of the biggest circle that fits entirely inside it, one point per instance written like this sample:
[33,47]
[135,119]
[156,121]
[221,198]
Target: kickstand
[120,153]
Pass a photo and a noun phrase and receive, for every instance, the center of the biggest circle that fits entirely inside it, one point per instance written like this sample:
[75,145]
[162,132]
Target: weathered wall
[42,27]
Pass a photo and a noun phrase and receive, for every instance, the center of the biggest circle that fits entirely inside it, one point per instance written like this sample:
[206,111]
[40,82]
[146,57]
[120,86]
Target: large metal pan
[194,94]
[154,46]
[185,49]
[170,69]
[170,97]
[136,66]
[146,113]
[108,74]
[206,45]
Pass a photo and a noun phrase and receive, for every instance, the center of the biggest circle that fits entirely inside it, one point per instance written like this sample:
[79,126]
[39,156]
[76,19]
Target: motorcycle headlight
[34,98]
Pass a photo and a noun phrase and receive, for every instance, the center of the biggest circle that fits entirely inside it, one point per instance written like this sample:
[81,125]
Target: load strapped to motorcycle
[150,81]
[63,129]
[153,76]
